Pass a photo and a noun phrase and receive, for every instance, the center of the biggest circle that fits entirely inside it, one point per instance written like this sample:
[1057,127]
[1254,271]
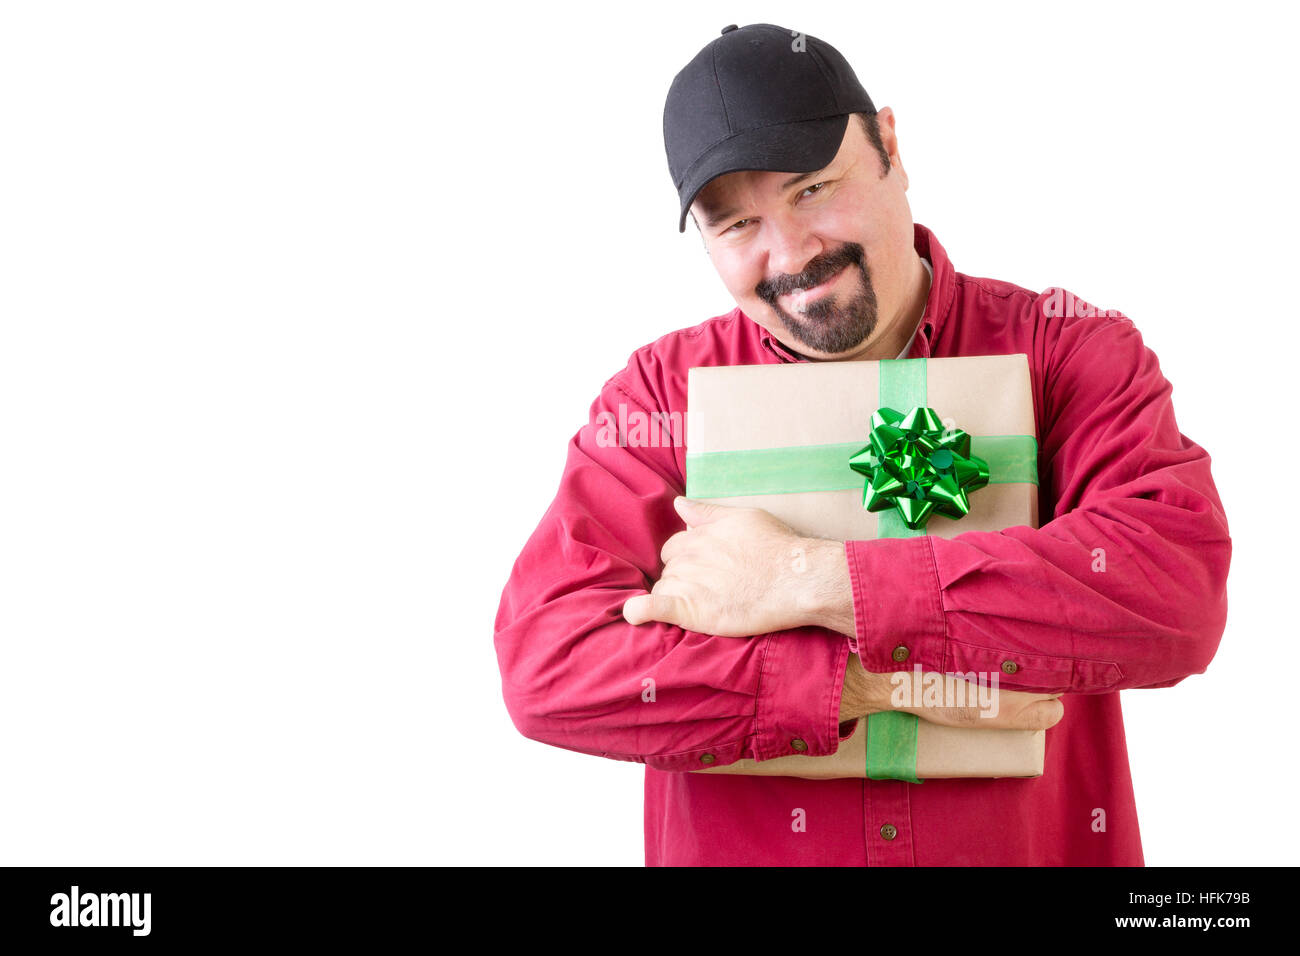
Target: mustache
[817,272]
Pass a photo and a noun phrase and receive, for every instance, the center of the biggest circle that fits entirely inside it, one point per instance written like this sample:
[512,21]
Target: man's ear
[889,140]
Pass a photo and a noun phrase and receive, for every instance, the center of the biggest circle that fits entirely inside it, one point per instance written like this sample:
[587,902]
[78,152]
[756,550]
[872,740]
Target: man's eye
[733,227]
[814,186]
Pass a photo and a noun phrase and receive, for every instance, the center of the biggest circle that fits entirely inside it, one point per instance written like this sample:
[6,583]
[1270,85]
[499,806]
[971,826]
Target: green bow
[917,466]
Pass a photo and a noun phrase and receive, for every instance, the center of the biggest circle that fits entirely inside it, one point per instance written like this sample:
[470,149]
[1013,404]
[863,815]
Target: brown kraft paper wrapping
[738,407]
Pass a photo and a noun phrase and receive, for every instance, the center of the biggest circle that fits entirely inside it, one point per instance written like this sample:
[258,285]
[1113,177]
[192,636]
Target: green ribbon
[891,746]
[891,734]
[1012,459]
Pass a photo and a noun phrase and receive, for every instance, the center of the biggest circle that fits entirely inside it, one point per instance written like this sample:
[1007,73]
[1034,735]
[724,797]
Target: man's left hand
[739,572]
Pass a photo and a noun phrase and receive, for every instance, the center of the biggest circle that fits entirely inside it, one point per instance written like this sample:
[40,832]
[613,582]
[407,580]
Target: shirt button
[707,758]
[798,744]
[900,653]
[889,831]
[1010,667]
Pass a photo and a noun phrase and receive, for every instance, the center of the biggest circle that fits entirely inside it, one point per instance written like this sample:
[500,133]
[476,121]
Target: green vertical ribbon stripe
[891,746]
[891,734]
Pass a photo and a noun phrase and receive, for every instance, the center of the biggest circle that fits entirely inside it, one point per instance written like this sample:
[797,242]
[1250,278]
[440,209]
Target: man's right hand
[866,692]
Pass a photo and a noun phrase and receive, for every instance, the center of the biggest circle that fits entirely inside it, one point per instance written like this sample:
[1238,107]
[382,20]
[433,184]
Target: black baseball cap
[758,97]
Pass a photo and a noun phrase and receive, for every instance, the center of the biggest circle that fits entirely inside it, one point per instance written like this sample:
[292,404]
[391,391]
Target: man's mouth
[799,299]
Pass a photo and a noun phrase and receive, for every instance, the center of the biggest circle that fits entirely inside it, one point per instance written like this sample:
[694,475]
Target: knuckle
[660,606]
[1050,713]
[1038,716]
[669,546]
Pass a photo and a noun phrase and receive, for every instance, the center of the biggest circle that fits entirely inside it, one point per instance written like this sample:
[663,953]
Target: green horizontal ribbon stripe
[771,471]
[799,468]
[1013,459]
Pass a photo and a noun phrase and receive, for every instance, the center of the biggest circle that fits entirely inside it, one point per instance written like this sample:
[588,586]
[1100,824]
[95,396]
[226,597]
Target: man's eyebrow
[720,216]
[795,180]
[712,219]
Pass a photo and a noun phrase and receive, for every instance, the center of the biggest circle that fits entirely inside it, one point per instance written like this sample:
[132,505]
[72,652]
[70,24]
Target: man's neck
[916,308]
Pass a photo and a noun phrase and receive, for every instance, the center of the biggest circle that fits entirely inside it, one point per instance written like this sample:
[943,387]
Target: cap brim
[802,147]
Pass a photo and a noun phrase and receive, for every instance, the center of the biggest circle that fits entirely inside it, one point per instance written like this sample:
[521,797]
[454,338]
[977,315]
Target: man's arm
[1124,587]
[576,674]
[737,570]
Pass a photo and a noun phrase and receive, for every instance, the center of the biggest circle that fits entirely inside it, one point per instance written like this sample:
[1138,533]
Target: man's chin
[821,347]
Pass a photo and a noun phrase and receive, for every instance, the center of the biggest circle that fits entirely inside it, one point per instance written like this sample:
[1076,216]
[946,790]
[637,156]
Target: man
[638,625]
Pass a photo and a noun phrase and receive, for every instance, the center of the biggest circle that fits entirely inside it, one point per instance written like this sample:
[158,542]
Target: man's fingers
[1026,715]
[667,608]
[1039,715]
[699,512]
[672,546]
[637,610]
[955,702]
[1044,714]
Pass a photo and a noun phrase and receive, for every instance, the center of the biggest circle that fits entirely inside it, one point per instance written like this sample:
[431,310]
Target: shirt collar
[937,304]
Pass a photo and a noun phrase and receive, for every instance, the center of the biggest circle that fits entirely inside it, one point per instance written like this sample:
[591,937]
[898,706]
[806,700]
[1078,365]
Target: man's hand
[866,692]
[738,572]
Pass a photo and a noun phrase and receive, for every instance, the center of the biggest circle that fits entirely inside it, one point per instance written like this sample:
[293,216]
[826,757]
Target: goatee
[825,325]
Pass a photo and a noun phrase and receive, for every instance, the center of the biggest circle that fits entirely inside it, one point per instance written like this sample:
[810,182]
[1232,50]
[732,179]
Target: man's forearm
[827,595]
[855,698]
[830,595]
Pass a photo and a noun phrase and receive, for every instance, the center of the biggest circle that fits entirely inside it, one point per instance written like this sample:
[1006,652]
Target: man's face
[824,261]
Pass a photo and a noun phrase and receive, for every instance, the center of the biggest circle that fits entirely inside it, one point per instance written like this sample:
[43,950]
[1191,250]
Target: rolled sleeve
[799,691]
[1124,587]
[897,603]
[797,703]
[576,675]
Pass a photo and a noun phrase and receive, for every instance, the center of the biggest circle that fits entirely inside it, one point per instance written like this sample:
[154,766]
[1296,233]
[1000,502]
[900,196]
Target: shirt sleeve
[576,675]
[1124,587]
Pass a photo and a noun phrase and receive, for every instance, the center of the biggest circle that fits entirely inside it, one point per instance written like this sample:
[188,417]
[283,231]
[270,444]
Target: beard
[834,322]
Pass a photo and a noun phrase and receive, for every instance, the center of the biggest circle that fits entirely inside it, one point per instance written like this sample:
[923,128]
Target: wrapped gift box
[939,752]
[780,438]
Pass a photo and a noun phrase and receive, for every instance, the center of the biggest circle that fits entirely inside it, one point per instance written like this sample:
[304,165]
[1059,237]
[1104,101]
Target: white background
[302,303]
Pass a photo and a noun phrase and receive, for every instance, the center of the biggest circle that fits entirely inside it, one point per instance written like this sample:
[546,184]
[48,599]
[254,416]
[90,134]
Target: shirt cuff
[799,693]
[897,604]
[797,703]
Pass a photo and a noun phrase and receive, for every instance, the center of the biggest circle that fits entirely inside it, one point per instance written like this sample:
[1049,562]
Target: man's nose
[790,247]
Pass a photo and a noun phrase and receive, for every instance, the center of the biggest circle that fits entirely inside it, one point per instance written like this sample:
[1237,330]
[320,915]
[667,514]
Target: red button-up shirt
[1123,585]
